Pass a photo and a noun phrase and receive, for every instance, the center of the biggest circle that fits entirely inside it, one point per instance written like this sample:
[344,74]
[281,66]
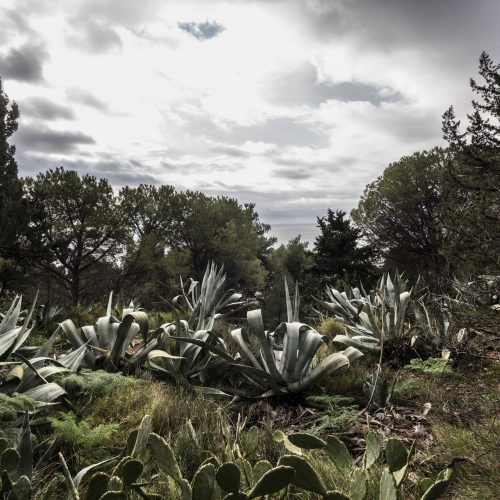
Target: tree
[150,212]
[78,221]
[400,214]
[293,262]
[338,250]
[221,230]
[12,208]
[475,174]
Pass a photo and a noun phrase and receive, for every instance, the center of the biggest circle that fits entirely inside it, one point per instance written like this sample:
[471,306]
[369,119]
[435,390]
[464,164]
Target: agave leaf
[45,393]
[256,325]
[290,347]
[25,450]
[241,338]
[81,474]
[331,364]
[73,360]
[310,343]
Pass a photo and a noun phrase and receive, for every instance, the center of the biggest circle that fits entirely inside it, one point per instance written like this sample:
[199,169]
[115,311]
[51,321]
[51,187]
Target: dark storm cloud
[302,87]
[24,64]
[119,173]
[45,109]
[202,31]
[86,98]
[43,139]
[452,30]
[95,36]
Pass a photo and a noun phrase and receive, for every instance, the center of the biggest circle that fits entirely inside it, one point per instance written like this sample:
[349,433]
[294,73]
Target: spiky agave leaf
[12,336]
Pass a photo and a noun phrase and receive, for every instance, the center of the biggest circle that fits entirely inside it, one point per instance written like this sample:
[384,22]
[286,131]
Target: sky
[295,105]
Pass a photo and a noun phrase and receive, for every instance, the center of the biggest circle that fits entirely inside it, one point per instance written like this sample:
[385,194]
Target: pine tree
[337,251]
[12,207]
[475,173]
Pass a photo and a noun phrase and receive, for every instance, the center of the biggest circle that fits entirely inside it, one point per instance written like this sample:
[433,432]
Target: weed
[82,434]
[93,383]
[331,327]
[431,366]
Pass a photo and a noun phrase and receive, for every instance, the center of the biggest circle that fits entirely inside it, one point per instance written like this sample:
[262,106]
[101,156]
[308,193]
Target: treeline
[434,214]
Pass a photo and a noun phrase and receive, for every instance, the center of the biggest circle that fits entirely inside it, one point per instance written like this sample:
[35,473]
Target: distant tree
[219,229]
[339,250]
[149,212]
[400,214]
[293,262]
[474,221]
[77,220]
[12,207]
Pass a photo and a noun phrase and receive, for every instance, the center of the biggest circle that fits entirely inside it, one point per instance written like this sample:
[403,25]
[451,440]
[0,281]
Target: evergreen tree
[338,252]
[401,215]
[12,208]
[78,222]
[475,173]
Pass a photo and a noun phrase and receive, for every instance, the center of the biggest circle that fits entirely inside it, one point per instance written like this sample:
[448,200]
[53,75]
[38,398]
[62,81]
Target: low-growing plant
[69,432]
[393,474]
[431,366]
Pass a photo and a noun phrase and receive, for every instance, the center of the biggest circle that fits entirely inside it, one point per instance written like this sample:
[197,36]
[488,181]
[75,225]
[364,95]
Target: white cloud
[294,104]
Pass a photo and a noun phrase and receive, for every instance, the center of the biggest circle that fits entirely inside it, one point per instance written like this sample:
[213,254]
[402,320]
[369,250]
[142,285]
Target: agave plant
[437,328]
[209,301]
[375,317]
[106,343]
[287,368]
[31,377]
[13,336]
[176,357]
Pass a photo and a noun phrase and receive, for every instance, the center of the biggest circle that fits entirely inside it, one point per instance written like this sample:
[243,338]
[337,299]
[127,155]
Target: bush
[331,327]
[431,366]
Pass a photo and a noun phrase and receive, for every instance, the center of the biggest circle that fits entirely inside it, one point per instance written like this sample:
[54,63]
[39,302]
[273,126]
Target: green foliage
[93,384]
[11,406]
[331,327]
[473,222]
[337,250]
[391,479]
[81,434]
[292,262]
[400,214]
[12,206]
[431,366]
[339,415]
[77,220]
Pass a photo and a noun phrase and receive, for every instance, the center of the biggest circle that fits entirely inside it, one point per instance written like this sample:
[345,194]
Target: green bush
[81,435]
[331,327]
[431,366]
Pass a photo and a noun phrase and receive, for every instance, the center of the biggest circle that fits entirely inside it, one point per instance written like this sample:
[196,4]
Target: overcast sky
[292,104]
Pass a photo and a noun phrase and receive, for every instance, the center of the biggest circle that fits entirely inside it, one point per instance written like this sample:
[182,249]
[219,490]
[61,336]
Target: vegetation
[271,373]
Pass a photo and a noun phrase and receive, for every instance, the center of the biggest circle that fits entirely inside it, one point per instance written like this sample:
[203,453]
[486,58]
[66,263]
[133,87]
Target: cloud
[24,63]
[13,24]
[35,137]
[202,31]
[45,109]
[281,131]
[86,98]
[95,36]
[302,87]
[119,173]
